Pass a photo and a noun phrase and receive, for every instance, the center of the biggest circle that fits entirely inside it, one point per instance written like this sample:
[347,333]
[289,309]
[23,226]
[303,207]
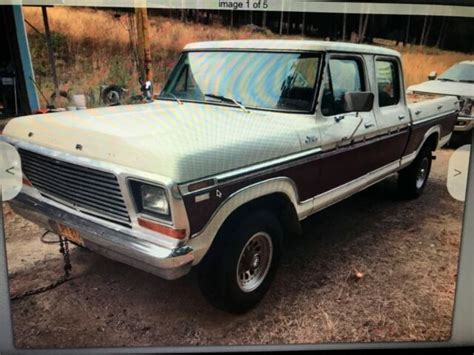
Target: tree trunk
[424,30]
[361,23]
[407,33]
[303,23]
[52,60]
[264,19]
[364,29]
[344,26]
[441,32]
[288,23]
[281,23]
[428,30]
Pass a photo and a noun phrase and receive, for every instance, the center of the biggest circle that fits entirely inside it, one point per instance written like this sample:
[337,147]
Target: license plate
[68,233]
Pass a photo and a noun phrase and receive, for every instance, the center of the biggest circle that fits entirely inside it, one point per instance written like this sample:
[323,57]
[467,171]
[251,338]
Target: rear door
[391,112]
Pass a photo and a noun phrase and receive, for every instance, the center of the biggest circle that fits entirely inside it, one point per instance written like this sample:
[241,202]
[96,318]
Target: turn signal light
[157,227]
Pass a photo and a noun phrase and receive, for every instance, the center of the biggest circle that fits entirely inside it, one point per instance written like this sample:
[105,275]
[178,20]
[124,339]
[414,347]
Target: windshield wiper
[445,79]
[228,99]
[466,81]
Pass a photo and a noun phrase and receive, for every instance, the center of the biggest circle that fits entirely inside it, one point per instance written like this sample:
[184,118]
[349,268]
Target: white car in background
[458,81]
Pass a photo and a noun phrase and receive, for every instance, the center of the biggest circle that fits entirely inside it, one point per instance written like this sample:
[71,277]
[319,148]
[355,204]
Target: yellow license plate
[69,233]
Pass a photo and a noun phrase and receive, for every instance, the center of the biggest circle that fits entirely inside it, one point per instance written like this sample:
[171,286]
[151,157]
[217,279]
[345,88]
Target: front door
[346,136]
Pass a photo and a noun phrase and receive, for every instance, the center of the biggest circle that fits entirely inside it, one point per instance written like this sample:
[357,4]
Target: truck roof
[292,45]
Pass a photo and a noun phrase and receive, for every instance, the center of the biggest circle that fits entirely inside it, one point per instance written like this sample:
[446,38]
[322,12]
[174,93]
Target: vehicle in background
[457,81]
[246,139]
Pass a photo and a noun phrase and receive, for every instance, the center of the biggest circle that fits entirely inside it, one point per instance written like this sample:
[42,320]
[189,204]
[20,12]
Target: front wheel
[412,180]
[238,269]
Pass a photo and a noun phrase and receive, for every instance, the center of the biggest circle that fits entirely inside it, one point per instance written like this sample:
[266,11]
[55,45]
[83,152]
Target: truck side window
[345,75]
[388,82]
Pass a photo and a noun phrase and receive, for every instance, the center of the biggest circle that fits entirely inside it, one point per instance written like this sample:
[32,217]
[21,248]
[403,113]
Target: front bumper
[464,123]
[166,263]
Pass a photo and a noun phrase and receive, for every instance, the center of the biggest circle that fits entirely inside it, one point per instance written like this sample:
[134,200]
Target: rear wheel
[412,180]
[239,268]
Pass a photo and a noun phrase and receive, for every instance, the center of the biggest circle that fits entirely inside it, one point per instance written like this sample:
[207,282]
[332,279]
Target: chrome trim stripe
[252,170]
[414,122]
[266,164]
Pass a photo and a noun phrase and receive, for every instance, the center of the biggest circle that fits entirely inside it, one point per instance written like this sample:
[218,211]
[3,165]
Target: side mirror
[432,75]
[358,101]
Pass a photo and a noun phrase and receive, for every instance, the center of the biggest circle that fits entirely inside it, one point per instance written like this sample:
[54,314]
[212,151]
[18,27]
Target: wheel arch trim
[201,241]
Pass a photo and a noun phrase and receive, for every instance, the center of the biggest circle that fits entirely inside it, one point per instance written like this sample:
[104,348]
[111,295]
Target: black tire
[412,179]
[218,271]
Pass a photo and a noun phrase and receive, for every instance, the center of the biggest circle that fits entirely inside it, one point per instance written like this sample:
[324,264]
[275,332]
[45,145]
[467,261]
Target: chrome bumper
[464,123]
[166,263]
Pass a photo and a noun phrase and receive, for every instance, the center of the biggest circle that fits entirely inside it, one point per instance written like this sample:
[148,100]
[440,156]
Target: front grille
[93,192]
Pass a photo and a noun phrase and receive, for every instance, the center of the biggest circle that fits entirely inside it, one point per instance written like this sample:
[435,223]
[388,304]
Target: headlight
[154,199]
[150,199]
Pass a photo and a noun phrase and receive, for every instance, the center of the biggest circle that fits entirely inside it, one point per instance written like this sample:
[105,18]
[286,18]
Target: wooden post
[144,50]
[52,60]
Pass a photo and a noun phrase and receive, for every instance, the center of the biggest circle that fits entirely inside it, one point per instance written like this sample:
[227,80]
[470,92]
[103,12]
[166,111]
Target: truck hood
[439,87]
[181,142]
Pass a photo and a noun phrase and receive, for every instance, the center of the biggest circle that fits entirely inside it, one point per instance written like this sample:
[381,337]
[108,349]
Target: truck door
[390,109]
[347,153]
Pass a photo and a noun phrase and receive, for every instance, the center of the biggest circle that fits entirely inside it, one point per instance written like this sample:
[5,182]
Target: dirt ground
[407,251]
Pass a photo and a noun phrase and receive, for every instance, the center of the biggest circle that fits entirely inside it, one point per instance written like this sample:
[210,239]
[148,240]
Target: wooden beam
[144,50]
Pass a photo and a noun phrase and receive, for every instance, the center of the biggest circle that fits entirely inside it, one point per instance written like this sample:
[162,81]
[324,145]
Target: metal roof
[292,45]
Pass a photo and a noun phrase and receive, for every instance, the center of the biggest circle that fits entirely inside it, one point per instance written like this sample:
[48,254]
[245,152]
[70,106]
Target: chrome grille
[93,192]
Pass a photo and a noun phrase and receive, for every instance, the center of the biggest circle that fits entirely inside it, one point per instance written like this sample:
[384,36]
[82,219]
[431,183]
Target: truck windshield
[459,72]
[262,80]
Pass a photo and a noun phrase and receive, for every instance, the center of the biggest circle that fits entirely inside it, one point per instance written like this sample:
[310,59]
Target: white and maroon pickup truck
[246,139]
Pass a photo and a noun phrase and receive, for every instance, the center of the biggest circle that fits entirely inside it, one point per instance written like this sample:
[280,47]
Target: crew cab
[246,139]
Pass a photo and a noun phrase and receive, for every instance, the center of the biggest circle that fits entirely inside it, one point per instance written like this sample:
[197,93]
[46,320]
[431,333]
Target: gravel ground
[407,252]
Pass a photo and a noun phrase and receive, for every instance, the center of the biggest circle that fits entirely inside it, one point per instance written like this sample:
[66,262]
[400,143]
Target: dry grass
[94,49]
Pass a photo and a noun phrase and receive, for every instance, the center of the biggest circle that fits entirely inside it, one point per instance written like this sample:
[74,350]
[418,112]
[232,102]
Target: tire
[253,244]
[412,180]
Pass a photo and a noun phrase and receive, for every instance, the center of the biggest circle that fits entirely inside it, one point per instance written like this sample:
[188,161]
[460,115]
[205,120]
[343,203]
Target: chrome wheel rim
[254,261]
[422,173]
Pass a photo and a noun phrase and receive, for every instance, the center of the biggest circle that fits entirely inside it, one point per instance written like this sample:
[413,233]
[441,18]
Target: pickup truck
[458,80]
[246,139]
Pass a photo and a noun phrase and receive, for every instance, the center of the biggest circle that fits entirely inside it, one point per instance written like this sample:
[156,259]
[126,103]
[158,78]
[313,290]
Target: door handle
[440,107]
[401,117]
[368,125]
